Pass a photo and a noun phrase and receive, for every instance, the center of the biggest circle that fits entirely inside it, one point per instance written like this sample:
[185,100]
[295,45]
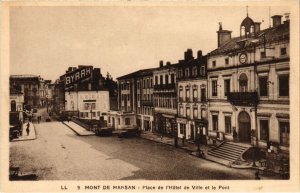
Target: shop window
[284,85]
[264,130]
[226,86]
[215,122]
[228,124]
[284,133]
[127,121]
[214,88]
[263,86]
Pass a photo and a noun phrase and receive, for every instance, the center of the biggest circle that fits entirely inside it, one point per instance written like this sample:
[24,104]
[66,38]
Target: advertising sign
[78,75]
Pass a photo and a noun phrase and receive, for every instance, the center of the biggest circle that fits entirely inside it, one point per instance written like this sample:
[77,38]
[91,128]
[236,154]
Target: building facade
[87,104]
[192,97]
[248,84]
[165,98]
[16,99]
[29,85]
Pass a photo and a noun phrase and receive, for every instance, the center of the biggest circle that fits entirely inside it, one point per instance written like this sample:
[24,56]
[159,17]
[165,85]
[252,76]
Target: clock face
[243,58]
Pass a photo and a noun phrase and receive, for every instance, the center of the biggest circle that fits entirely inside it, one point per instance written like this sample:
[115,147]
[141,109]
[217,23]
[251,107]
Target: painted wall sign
[78,75]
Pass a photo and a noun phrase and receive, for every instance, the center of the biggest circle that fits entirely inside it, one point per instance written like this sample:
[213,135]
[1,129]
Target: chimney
[256,27]
[188,55]
[276,20]
[161,63]
[199,54]
[168,63]
[223,36]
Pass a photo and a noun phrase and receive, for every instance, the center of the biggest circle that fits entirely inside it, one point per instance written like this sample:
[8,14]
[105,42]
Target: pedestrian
[234,135]
[27,129]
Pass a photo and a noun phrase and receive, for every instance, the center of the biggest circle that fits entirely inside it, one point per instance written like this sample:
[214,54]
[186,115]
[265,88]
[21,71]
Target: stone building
[248,84]
[192,96]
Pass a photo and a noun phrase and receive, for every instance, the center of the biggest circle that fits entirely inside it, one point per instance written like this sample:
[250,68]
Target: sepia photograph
[169,94]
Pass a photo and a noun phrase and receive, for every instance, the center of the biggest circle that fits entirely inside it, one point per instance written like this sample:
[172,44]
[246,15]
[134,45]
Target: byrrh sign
[78,75]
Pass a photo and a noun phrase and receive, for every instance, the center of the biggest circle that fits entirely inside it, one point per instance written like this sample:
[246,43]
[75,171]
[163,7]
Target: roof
[14,91]
[139,73]
[269,35]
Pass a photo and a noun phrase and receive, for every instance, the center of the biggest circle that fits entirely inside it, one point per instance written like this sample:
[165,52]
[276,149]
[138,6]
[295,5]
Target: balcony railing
[243,98]
[147,103]
[161,87]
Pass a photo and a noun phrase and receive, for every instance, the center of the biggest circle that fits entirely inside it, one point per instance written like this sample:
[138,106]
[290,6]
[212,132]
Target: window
[226,61]
[202,71]
[187,72]
[188,113]
[151,83]
[167,79]
[182,128]
[180,73]
[86,106]
[194,72]
[195,94]
[214,64]
[119,121]
[243,83]
[215,122]
[180,94]
[263,86]
[93,106]
[282,51]
[284,85]
[187,94]
[226,87]
[203,95]
[156,80]
[214,88]
[138,85]
[227,124]
[161,79]
[144,84]
[172,78]
[195,113]
[263,54]
[284,133]
[181,110]
[264,130]
[94,114]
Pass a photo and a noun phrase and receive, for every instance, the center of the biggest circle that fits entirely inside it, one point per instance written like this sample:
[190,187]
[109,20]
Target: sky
[45,41]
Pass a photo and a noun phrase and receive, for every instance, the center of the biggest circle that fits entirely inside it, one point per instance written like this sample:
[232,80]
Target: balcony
[243,98]
[147,103]
[164,87]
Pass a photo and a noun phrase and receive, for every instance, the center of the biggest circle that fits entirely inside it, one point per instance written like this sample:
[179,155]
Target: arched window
[243,80]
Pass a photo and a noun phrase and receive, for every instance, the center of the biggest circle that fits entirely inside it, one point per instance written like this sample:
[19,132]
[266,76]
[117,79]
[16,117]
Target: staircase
[228,151]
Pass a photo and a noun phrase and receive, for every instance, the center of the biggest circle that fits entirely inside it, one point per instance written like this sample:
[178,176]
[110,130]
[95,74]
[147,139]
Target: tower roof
[247,22]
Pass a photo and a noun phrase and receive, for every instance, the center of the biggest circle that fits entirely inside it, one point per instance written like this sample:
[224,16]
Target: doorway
[244,127]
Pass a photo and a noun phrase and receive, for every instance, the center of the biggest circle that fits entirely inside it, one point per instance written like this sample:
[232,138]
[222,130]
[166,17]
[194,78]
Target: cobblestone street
[59,154]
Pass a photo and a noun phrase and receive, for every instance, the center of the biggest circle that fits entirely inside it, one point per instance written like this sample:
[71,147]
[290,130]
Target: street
[59,154]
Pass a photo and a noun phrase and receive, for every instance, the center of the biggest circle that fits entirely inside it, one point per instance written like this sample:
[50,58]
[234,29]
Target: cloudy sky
[119,39]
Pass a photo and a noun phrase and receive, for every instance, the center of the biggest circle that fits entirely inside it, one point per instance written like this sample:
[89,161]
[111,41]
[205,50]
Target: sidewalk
[78,129]
[24,137]
[189,146]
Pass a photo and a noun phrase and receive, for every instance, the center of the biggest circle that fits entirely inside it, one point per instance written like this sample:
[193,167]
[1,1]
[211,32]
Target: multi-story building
[16,98]
[248,84]
[165,98]
[30,86]
[192,96]
[144,97]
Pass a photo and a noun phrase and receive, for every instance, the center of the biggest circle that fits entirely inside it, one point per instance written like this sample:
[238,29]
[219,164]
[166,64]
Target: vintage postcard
[149,96]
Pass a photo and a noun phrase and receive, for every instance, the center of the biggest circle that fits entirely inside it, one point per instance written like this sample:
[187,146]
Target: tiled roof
[272,34]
